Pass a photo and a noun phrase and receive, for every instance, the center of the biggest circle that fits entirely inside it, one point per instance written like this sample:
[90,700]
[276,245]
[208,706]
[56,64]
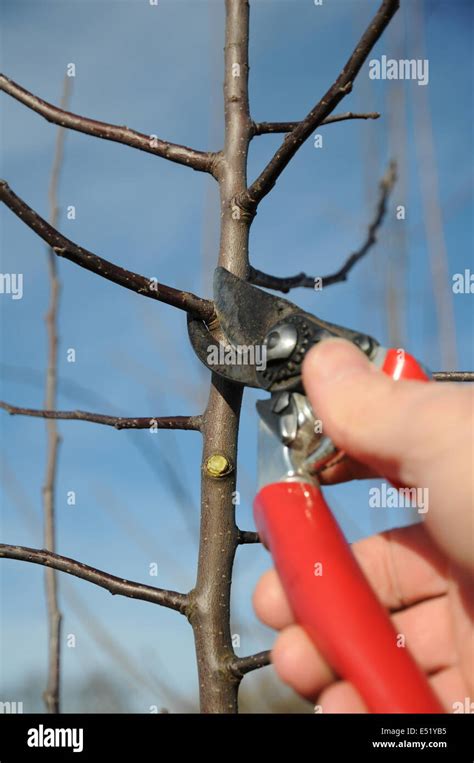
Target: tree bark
[210,609]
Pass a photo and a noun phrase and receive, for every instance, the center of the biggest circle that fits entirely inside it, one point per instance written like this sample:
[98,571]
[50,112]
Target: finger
[270,602]
[417,434]
[299,664]
[377,420]
[402,567]
[427,633]
[341,697]
[425,629]
[343,470]
[449,685]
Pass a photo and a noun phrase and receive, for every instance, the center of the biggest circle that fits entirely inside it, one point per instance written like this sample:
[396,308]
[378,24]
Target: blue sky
[159,70]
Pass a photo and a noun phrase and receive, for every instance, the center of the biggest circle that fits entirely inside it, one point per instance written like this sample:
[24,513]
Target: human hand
[418,435]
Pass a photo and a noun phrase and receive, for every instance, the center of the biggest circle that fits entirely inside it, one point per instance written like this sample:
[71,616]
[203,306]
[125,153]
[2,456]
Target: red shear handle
[333,601]
[400,365]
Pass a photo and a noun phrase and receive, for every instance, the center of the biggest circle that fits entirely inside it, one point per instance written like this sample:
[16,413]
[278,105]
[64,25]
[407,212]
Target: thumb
[364,411]
[411,432]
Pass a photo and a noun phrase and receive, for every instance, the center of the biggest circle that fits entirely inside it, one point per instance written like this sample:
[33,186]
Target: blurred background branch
[52,691]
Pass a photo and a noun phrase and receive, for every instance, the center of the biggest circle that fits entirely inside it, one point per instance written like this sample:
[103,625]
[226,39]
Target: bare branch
[265,128]
[66,248]
[282,283]
[242,665]
[259,278]
[248,536]
[210,609]
[192,423]
[431,201]
[198,160]
[454,376]
[51,694]
[249,199]
[116,586]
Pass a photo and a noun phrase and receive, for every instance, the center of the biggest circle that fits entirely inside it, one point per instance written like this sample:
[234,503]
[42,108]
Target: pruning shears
[261,342]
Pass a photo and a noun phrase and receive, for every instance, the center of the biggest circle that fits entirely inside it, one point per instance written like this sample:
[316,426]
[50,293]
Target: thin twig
[116,586]
[301,280]
[266,128]
[248,536]
[431,197]
[191,423]
[66,248]
[453,376]
[198,160]
[51,694]
[249,199]
[242,665]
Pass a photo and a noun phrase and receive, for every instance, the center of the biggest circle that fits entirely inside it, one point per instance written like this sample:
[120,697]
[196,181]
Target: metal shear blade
[250,319]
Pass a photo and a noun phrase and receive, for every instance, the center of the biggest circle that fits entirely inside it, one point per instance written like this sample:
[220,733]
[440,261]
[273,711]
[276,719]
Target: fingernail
[334,360]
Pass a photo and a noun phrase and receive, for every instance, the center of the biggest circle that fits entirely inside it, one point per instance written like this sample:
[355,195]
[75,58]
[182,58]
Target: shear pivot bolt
[280,342]
[218,465]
